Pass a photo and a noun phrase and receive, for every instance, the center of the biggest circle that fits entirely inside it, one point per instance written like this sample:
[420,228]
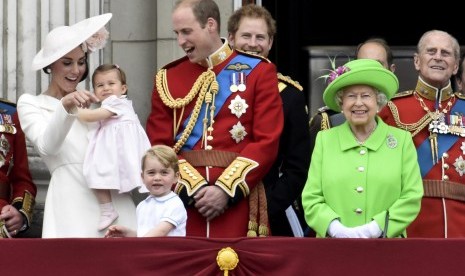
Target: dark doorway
[304,23]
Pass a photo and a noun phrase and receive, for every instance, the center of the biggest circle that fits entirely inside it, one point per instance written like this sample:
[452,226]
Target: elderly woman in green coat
[364,180]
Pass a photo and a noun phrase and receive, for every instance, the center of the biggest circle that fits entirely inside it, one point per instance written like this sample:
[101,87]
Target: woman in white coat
[71,208]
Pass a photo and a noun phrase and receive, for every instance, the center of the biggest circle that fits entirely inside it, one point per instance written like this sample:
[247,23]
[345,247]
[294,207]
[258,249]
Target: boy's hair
[107,67]
[166,155]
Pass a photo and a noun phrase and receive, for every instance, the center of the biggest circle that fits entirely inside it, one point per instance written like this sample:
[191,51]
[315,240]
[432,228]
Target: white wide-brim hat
[64,39]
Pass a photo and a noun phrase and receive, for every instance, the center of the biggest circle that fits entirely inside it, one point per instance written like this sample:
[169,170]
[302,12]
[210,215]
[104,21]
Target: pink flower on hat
[333,74]
[97,41]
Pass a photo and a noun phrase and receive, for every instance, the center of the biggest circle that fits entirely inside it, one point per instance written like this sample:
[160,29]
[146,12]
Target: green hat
[361,71]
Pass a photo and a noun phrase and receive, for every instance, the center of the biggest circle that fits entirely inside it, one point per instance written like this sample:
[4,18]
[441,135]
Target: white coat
[71,208]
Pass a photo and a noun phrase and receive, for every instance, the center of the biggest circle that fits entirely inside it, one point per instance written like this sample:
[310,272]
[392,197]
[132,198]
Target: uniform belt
[5,191]
[444,189]
[203,158]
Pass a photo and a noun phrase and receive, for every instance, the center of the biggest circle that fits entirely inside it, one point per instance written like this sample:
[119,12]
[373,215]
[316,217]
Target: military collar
[429,92]
[220,55]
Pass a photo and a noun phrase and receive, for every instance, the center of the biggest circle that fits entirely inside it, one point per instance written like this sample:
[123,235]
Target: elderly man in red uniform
[17,191]
[435,116]
[221,111]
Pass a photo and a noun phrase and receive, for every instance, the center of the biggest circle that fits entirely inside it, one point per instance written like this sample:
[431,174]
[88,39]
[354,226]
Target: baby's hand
[114,232]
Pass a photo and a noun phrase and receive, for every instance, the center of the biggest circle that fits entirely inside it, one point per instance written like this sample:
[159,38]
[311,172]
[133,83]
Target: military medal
[233,80]
[4,145]
[456,125]
[8,129]
[11,129]
[6,124]
[241,87]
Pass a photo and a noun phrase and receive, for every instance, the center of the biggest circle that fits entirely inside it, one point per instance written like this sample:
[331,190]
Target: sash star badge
[460,165]
[238,132]
[238,106]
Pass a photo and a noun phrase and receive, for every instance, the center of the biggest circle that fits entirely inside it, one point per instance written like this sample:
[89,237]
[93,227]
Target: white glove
[369,230]
[337,230]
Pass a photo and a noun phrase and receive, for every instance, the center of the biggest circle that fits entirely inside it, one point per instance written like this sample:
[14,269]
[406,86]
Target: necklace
[436,122]
[437,113]
[368,136]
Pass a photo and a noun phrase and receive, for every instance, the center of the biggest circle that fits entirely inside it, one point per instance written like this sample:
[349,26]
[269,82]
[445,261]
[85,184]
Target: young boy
[162,213]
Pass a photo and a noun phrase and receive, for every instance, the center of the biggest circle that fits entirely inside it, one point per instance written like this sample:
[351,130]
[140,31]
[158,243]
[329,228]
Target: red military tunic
[16,186]
[244,134]
[442,211]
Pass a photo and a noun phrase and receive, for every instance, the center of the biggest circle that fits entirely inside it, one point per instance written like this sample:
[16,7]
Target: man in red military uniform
[222,113]
[435,116]
[17,191]
[252,29]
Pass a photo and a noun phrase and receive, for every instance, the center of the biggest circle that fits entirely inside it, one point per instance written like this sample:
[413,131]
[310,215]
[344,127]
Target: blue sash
[220,98]
[445,142]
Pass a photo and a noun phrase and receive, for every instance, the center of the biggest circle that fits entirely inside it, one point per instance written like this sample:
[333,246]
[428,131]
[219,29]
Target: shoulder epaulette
[402,94]
[323,109]
[253,55]
[290,81]
[460,95]
[5,101]
[173,63]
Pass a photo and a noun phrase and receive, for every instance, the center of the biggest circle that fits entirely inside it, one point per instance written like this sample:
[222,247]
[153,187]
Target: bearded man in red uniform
[17,191]
[435,116]
[221,111]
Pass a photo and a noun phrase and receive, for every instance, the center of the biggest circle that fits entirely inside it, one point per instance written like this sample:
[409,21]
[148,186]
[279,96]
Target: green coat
[358,184]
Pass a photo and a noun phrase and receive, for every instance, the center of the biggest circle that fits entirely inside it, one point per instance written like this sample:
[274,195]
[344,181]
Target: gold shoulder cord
[325,121]
[200,87]
[414,128]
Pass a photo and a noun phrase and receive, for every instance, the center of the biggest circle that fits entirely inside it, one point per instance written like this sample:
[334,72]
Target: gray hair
[381,99]
[455,44]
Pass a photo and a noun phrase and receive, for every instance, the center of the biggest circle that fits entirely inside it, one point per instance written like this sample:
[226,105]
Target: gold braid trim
[414,128]
[290,81]
[190,179]
[203,84]
[3,231]
[325,123]
[233,176]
